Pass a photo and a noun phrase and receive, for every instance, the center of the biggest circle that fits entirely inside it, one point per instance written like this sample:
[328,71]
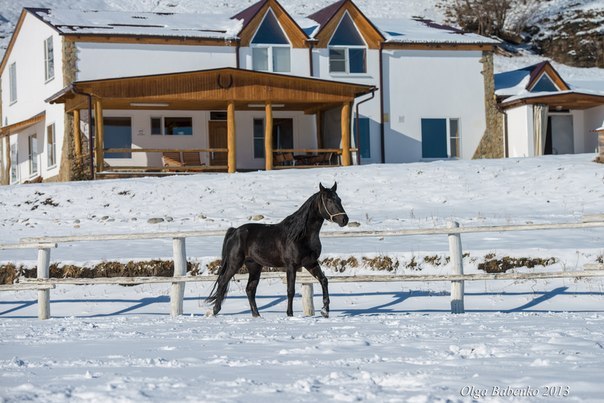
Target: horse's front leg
[319,275]
[291,290]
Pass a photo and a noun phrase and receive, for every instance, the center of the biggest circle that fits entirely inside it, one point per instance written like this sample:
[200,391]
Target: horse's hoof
[256,315]
[290,314]
[325,313]
[210,313]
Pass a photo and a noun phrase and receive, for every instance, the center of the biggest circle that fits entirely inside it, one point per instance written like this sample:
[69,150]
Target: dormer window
[347,49]
[270,47]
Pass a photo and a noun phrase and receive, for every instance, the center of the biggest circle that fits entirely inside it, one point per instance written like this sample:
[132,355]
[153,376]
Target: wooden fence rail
[453,231]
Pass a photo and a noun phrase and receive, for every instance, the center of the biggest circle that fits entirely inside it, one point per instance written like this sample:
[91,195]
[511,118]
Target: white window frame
[347,59]
[32,154]
[448,139]
[271,59]
[51,146]
[49,65]
[12,76]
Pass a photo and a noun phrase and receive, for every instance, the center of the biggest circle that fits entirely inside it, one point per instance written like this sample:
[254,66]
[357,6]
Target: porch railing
[182,165]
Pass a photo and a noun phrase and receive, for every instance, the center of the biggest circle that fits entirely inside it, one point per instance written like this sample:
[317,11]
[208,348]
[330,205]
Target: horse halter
[331,216]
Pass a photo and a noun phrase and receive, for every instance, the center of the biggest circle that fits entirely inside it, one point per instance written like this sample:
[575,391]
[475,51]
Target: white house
[178,92]
[545,114]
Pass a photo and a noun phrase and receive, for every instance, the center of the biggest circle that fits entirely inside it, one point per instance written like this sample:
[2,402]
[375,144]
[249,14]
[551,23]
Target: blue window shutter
[364,138]
[434,138]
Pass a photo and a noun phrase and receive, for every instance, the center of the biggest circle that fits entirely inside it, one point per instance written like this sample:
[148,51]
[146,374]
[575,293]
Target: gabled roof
[329,17]
[517,87]
[516,82]
[252,16]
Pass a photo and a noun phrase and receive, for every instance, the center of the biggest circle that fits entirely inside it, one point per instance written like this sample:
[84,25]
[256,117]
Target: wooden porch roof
[557,100]
[212,90]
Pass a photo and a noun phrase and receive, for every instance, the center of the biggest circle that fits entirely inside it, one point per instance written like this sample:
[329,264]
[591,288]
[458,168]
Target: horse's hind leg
[222,285]
[252,284]
[319,275]
[291,290]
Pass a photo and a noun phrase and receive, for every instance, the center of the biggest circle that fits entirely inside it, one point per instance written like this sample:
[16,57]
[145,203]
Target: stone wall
[71,168]
[491,144]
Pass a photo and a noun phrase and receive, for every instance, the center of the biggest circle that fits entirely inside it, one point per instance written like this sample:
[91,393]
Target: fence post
[308,305]
[456,253]
[180,269]
[43,273]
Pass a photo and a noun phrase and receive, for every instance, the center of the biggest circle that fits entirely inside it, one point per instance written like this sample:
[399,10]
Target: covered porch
[221,97]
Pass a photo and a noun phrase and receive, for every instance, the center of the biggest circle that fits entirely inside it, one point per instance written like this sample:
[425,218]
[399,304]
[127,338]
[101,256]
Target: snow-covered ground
[383,341]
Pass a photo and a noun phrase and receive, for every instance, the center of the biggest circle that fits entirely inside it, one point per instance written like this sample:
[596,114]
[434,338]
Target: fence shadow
[268,303]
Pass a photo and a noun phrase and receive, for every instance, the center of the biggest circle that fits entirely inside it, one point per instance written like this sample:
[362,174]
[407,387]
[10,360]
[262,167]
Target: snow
[69,21]
[382,342]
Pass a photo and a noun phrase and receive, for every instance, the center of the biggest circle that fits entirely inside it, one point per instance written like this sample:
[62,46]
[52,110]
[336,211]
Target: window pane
[258,138]
[49,59]
[50,146]
[337,60]
[178,126]
[12,73]
[33,154]
[281,59]
[270,31]
[357,61]
[454,138]
[346,33]
[14,157]
[434,138]
[117,134]
[156,126]
[260,59]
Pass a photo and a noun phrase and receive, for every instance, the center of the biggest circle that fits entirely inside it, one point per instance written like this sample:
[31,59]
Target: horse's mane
[296,223]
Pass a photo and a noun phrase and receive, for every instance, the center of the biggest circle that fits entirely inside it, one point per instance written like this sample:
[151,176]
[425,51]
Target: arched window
[347,49]
[270,46]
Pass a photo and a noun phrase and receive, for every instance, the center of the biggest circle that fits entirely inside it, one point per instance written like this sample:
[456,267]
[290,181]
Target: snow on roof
[101,22]
[420,30]
[512,82]
[87,22]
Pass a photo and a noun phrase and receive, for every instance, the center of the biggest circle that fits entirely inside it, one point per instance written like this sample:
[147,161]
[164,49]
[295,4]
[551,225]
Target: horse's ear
[321,188]
[334,187]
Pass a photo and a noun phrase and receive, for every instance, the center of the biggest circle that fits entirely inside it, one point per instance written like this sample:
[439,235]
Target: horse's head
[330,205]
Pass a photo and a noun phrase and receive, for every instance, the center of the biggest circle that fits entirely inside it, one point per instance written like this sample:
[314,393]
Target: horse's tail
[222,269]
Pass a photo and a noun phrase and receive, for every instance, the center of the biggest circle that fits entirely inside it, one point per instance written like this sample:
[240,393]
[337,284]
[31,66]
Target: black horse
[292,244]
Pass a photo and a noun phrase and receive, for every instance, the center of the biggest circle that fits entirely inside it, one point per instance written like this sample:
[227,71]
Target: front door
[218,139]
[560,136]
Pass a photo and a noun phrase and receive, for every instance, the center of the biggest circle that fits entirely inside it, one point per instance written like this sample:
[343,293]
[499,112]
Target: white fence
[453,231]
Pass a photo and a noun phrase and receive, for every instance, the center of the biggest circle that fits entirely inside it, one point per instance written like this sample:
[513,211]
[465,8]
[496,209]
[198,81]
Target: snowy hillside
[383,342]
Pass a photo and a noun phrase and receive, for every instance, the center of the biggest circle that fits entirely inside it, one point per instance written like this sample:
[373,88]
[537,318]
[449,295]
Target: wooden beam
[99,135]
[231,138]
[345,120]
[77,134]
[268,137]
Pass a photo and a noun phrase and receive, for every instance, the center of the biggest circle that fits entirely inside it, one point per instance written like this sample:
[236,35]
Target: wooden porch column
[77,135]
[231,136]
[345,120]
[98,144]
[268,137]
